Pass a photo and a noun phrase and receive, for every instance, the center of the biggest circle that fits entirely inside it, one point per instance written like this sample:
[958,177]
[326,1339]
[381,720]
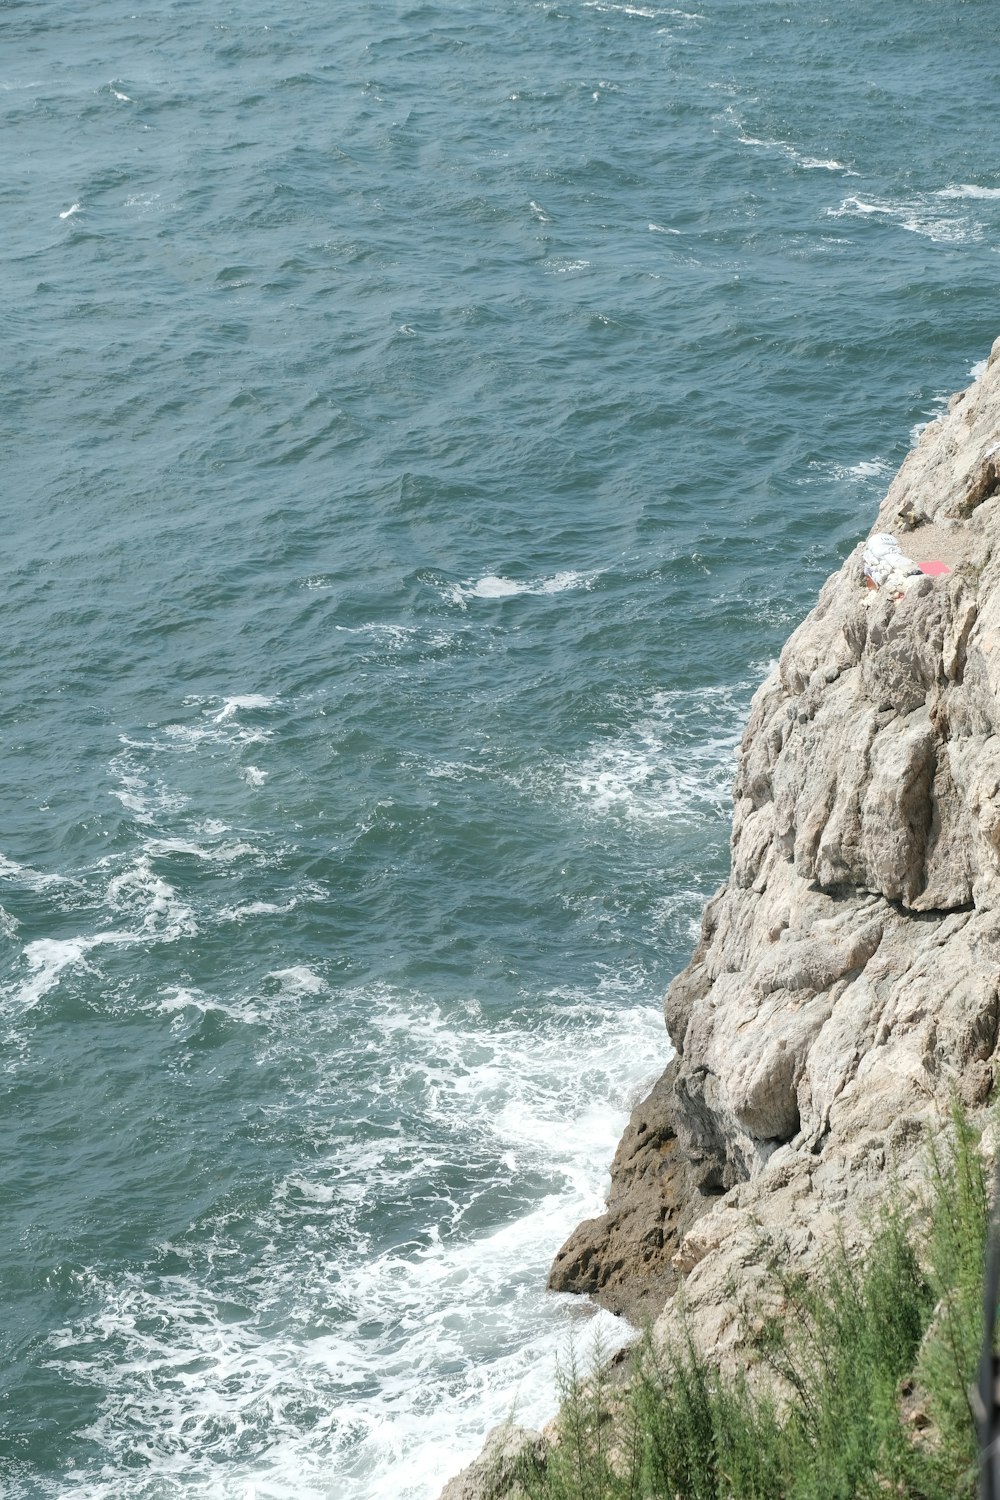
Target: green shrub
[904,1316]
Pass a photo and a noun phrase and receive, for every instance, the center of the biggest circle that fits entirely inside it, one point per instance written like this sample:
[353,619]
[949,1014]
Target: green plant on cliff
[874,1357]
[955,1243]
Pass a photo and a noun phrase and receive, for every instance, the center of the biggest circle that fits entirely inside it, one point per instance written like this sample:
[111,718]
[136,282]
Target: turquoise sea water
[422,425]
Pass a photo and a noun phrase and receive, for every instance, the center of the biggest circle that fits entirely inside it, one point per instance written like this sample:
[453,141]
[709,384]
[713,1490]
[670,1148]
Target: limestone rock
[845,983]
[494,1473]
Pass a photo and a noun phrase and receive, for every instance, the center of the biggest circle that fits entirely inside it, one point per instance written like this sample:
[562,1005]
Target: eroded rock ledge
[845,985]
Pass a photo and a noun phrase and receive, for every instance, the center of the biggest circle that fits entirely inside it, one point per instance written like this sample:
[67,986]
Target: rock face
[625,1259]
[494,1473]
[845,985]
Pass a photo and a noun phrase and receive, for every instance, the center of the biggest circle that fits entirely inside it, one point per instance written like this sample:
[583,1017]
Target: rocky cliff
[845,985]
[844,989]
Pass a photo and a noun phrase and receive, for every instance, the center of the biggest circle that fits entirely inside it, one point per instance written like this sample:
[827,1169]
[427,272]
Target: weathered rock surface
[845,985]
[494,1473]
[625,1258]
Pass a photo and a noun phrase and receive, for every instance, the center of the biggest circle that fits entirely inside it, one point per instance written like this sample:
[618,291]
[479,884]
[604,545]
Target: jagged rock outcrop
[494,1474]
[625,1258]
[845,984]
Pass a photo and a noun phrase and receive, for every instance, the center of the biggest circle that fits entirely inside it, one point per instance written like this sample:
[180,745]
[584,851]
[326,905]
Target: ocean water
[422,424]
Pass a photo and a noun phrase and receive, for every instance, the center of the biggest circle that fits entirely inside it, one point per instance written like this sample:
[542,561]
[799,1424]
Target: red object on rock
[933,569]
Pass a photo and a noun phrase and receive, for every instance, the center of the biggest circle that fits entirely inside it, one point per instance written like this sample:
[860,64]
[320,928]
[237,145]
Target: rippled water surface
[422,425]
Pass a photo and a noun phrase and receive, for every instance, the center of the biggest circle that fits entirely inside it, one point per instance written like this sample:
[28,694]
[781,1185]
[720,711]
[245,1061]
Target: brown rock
[624,1259]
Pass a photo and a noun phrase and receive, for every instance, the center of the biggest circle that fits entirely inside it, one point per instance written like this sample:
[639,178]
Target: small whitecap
[867,468]
[495,586]
[299,980]
[967,190]
[817,163]
[562,267]
[253,776]
[68,213]
[232,706]
[785,148]
[34,880]
[211,854]
[257,909]
[914,215]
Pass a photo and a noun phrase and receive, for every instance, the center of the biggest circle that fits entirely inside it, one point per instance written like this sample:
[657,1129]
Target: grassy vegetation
[874,1356]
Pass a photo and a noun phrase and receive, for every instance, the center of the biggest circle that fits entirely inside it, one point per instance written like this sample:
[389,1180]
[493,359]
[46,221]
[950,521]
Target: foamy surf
[674,761]
[328,1365]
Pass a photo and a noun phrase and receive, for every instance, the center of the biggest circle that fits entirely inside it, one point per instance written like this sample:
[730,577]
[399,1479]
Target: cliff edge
[845,985]
[844,989]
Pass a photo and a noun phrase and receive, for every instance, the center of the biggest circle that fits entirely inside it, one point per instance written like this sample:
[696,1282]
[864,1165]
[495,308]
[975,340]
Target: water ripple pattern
[422,425]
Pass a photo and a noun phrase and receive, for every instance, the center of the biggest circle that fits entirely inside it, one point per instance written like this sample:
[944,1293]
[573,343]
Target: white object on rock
[885,562]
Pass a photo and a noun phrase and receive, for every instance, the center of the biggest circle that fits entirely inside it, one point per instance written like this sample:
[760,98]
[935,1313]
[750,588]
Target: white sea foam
[148,803]
[232,706]
[218,724]
[74,208]
[495,586]
[327,1358]
[253,776]
[967,190]
[186,1006]
[300,980]
[979,369]
[141,892]
[45,960]
[272,1004]
[136,891]
[867,468]
[674,761]
[662,229]
[916,215]
[219,853]
[644,12]
[34,880]
[801,159]
[257,909]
